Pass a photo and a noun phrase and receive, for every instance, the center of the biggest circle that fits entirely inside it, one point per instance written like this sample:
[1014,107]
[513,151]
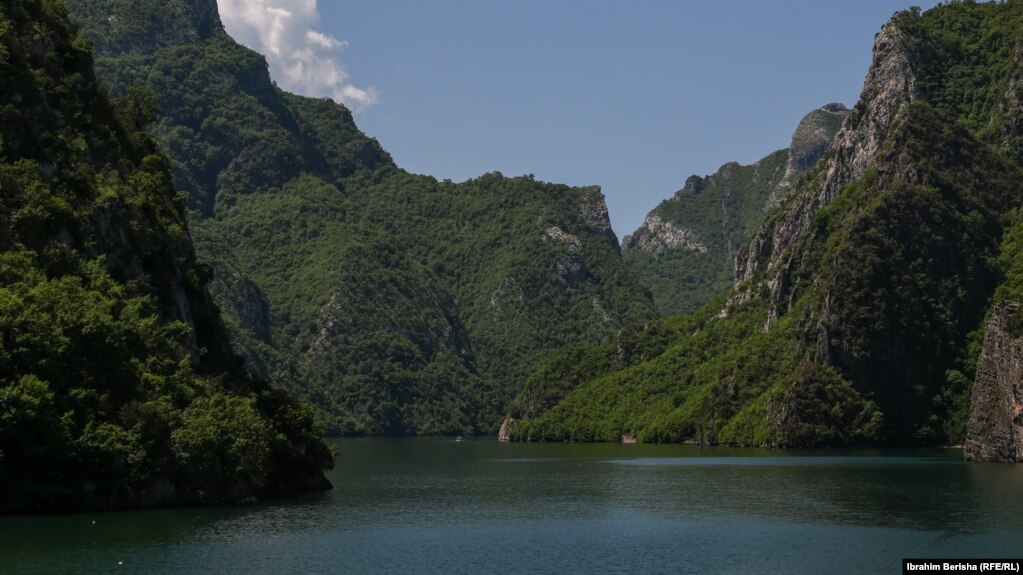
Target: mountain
[396,303]
[118,387]
[684,250]
[859,307]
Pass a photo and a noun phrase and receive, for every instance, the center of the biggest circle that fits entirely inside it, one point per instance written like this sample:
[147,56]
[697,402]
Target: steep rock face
[504,433]
[995,430]
[812,138]
[888,88]
[684,252]
[852,316]
[657,235]
[569,267]
[922,229]
[594,213]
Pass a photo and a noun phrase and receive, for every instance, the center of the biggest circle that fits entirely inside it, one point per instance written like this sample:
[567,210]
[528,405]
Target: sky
[631,96]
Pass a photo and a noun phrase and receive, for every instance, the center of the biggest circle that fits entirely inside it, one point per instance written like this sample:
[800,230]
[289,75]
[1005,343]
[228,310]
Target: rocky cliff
[812,138]
[851,315]
[995,430]
[657,235]
[887,89]
[684,251]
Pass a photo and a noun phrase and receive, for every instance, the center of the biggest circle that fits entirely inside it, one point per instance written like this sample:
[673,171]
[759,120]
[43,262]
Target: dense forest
[859,306]
[185,249]
[117,384]
[396,303]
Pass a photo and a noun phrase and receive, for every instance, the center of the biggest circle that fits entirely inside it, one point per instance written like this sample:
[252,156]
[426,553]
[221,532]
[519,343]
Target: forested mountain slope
[859,307]
[118,387]
[398,303]
[684,252]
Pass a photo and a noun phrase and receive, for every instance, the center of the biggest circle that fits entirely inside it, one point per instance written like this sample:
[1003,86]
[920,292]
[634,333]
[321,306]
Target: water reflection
[928,490]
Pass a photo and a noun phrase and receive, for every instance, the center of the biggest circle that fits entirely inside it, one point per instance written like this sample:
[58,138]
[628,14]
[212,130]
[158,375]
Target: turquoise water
[479,506]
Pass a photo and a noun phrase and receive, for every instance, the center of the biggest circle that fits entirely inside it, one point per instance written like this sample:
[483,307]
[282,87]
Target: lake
[479,506]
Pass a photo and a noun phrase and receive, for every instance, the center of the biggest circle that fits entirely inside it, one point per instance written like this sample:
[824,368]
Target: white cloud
[301,59]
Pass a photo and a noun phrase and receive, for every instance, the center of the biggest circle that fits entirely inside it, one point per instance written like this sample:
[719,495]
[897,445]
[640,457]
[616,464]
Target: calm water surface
[479,506]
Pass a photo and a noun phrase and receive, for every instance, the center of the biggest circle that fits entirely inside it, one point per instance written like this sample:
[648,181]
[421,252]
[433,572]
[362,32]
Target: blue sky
[632,96]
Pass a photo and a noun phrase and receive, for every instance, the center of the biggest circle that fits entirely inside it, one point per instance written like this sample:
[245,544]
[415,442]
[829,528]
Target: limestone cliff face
[658,235]
[569,266]
[889,87]
[593,209]
[685,250]
[810,141]
[244,300]
[995,430]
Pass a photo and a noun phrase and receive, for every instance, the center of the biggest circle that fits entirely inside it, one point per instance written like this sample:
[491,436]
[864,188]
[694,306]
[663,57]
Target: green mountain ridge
[874,298]
[684,251]
[859,305]
[397,303]
[118,387]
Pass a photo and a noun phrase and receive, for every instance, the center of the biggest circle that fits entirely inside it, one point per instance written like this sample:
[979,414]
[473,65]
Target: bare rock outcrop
[812,138]
[658,235]
[504,434]
[995,429]
[571,266]
[593,209]
[888,89]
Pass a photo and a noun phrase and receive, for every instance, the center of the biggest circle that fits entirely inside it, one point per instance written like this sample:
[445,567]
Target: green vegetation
[907,271]
[396,303]
[115,381]
[400,304]
[722,211]
[872,334]
[145,25]
[694,378]
[1010,260]
[685,250]
[967,58]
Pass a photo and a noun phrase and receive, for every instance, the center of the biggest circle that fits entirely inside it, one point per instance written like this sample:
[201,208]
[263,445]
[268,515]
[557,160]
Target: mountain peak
[887,89]
[810,141]
[684,250]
